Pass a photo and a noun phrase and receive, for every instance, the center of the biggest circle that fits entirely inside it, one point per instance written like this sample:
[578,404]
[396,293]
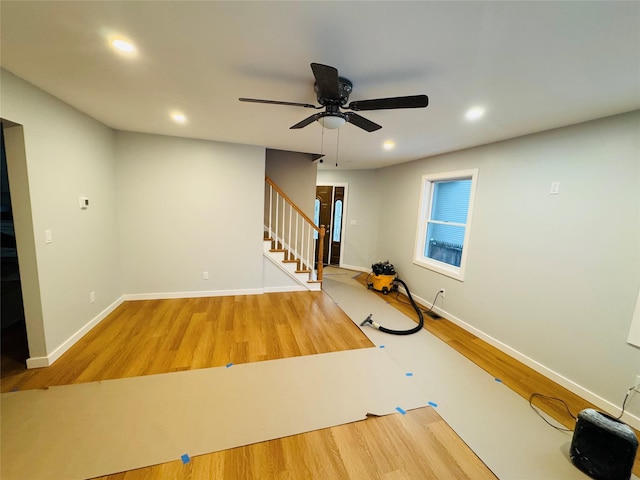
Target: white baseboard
[561,380]
[212,293]
[292,288]
[353,267]
[39,362]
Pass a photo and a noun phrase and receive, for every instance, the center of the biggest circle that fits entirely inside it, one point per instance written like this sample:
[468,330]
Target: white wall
[554,277]
[364,201]
[68,155]
[188,207]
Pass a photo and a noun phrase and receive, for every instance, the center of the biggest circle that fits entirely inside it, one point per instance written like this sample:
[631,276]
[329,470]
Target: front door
[324,199]
[336,225]
[330,200]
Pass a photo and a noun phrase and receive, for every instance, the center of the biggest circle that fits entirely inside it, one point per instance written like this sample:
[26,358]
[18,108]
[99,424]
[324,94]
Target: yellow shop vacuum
[382,277]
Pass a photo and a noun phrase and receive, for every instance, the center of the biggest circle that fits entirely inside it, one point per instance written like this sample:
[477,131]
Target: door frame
[345,211]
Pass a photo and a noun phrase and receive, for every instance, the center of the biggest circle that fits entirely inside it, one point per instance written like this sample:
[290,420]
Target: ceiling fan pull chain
[337,148]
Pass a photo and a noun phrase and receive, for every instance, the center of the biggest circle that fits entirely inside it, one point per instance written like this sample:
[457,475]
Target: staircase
[291,238]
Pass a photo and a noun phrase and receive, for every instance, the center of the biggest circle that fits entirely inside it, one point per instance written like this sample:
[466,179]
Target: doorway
[15,350]
[329,211]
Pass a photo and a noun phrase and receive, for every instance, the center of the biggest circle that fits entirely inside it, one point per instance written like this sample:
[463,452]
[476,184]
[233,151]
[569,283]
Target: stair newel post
[320,251]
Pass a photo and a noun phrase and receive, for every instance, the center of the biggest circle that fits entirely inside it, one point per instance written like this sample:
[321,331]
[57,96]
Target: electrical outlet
[442,292]
[92,297]
[205,275]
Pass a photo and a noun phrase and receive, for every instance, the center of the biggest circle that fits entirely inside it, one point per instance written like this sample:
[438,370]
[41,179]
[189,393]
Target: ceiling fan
[333,94]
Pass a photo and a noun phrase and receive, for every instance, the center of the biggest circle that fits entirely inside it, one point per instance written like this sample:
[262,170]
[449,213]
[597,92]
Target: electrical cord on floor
[534,395]
[624,402]
[417,328]
[427,311]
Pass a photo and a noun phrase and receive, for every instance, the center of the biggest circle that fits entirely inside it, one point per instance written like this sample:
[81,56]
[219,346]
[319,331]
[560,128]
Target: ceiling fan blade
[276,102]
[307,121]
[326,81]
[413,101]
[362,122]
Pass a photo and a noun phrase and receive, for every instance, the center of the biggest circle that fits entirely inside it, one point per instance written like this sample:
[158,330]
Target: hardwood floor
[159,336]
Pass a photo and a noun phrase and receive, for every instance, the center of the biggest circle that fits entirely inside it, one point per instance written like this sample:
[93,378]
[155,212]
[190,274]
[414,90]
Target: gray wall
[295,174]
[187,207]
[551,279]
[162,211]
[554,277]
[68,155]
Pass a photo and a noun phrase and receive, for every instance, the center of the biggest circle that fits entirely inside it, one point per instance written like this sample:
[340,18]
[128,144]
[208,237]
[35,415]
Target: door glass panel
[337,221]
[316,216]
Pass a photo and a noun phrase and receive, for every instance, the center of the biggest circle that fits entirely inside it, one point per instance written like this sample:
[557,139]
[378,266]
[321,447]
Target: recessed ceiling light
[123,45]
[474,113]
[178,117]
[388,145]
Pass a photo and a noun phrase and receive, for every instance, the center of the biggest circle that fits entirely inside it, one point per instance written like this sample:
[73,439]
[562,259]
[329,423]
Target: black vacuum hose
[417,328]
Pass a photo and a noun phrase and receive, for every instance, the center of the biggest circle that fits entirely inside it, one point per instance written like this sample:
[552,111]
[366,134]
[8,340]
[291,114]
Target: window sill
[456,273]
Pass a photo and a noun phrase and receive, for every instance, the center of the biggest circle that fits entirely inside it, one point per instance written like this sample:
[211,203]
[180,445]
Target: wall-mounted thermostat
[84,203]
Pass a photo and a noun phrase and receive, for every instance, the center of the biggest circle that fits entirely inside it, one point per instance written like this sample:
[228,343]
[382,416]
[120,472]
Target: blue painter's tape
[498,380]
[409,374]
[401,411]
[185,458]
[433,404]
[229,364]
[381,346]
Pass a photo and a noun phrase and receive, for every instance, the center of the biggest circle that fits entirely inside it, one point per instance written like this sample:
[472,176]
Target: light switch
[555,188]
[48,238]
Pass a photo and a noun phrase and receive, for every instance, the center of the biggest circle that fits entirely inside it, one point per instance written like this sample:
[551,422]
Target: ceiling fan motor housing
[333,93]
[344,90]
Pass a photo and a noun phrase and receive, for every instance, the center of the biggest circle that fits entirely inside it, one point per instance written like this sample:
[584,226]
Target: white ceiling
[532,65]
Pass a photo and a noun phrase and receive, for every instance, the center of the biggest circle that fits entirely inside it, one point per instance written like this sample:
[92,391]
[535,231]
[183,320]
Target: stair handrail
[290,202]
[320,229]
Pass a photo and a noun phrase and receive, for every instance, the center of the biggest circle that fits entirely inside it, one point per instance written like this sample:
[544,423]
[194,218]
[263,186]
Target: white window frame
[424,213]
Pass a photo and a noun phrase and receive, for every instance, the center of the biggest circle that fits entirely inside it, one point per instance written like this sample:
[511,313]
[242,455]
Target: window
[444,222]
[337,220]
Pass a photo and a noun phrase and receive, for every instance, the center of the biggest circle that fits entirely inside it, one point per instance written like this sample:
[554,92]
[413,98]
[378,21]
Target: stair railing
[293,231]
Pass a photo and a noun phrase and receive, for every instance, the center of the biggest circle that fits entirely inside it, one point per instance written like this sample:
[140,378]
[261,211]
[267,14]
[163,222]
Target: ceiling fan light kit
[332,121]
[333,92]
